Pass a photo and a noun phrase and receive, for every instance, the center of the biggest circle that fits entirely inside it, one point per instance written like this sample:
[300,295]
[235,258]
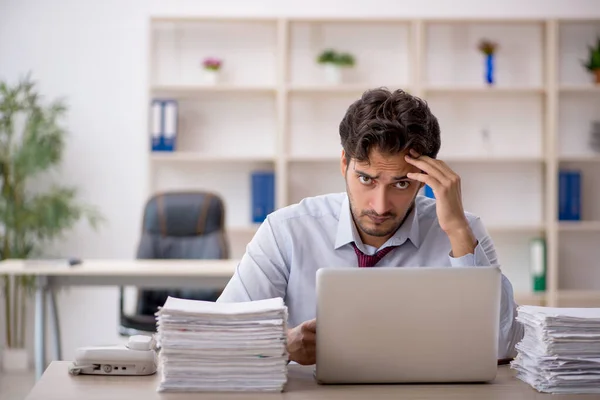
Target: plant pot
[333,74]
[14,359]
[597,76]
[211,76]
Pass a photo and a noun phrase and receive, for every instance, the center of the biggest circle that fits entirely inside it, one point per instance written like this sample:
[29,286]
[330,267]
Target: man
[390,141]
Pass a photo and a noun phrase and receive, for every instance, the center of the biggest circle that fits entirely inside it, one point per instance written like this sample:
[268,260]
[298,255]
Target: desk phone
[137,357]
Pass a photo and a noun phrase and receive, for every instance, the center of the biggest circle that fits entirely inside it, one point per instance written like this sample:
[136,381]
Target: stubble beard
[381,231]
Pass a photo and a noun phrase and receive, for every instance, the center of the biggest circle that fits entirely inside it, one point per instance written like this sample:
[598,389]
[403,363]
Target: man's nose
[379,202]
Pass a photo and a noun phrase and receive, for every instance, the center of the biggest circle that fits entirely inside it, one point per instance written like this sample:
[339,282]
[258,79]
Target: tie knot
[365,260]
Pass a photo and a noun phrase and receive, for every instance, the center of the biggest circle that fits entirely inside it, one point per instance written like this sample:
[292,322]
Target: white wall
[94,54]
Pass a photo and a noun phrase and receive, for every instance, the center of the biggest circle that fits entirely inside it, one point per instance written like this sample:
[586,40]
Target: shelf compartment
[370,42]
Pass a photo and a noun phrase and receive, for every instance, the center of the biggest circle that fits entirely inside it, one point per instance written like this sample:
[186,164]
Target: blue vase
[489,69]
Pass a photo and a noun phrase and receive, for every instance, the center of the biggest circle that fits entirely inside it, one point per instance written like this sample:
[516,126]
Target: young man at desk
[390,141]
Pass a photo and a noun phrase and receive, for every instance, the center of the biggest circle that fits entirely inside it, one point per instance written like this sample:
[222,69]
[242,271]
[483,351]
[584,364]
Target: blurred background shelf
[580,159]
[189,90]
[243,230]
[496,89]
[275,109]
[355,89]
[530,299]
[579,226]
[579,89]
[516,228]
[447,158]
[197,157]
[579,298]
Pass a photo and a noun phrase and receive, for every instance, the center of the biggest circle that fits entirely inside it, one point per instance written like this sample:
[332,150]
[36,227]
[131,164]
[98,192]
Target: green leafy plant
[32,141]
[592,63]
[487,47]
[340,59]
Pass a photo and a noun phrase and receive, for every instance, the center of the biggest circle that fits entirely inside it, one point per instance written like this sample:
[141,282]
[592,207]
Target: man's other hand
[302,343]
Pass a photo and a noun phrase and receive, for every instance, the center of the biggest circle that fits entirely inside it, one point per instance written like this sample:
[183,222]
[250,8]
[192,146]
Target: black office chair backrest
[184,225]
[179,225]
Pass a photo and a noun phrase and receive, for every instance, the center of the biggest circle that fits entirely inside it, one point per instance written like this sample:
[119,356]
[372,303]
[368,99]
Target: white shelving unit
[274,110]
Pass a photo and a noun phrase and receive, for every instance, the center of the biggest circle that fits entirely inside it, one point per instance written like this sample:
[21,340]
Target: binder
[569,195]
[428,192]
[563,190]
[170,108]
[156,124]
[163,126]
[538,264]
[574,213]
[263,195]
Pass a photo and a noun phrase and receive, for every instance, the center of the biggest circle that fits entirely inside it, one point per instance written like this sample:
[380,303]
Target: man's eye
[403,185]
[365,180]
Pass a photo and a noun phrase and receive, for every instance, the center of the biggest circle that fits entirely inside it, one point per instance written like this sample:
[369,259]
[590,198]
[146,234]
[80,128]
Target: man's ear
[343,164]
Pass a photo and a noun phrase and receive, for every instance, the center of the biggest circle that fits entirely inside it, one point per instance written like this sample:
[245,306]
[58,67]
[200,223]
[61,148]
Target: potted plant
[592,64]
[488,48]
[31,144]
[333,62]
[212,66]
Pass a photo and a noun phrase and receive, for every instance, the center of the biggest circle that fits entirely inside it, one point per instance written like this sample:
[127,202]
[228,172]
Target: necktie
[365,261]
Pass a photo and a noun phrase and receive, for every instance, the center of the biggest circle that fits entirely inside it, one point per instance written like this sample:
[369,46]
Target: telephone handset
[137,357]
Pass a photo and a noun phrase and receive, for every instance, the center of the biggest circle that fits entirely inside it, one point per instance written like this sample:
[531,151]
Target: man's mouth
[378,220]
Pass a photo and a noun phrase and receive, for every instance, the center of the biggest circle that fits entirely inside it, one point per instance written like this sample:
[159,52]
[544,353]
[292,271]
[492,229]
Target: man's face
[380,194]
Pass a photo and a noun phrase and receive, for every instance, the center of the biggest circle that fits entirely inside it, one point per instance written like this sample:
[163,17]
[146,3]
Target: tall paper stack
[560,351]
[207,346]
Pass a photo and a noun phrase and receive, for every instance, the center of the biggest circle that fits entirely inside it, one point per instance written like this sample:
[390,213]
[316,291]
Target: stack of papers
[207,346]
[560,351]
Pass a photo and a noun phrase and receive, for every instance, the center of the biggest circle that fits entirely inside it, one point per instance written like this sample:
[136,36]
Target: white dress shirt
[294,242]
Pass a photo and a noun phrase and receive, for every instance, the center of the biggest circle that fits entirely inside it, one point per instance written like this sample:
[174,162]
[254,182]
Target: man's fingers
[425,178]
[310,325]
[449,172]
[309,339]
[429,166]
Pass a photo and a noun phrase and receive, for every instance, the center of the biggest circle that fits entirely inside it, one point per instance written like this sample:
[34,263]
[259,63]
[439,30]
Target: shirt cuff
[476,259]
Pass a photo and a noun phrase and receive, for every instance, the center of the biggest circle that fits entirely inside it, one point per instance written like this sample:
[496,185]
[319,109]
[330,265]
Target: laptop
[407,325]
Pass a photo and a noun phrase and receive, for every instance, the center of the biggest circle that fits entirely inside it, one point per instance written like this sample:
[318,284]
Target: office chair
[176,225]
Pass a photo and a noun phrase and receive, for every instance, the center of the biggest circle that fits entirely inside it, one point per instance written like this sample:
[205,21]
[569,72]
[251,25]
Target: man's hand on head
[302,343]
[450,212]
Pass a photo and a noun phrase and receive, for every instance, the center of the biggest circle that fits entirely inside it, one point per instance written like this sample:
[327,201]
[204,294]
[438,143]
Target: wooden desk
[141,273]
[57,384]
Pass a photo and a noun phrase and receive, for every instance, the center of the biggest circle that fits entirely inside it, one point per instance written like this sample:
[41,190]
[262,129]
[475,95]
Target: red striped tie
[365,260]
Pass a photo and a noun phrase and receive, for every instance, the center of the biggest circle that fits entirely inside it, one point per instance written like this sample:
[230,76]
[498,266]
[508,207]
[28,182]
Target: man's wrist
[462,241]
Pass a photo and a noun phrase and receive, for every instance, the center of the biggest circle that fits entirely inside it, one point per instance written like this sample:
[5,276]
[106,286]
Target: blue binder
[429,192]
[263,195]
[163,130]
[170,124]
[569,195]
[575,196]
[156,124]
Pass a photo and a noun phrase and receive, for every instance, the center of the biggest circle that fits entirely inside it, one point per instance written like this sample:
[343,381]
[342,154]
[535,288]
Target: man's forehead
[383,164]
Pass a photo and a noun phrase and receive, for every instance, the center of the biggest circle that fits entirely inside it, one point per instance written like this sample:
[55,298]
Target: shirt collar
[347,232]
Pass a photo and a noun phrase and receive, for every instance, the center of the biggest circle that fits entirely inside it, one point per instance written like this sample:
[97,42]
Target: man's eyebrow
[395,178]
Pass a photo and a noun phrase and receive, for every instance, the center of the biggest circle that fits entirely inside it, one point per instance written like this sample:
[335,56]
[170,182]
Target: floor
[16,386]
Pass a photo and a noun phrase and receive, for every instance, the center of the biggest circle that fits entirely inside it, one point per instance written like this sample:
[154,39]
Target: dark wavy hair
[391,122]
